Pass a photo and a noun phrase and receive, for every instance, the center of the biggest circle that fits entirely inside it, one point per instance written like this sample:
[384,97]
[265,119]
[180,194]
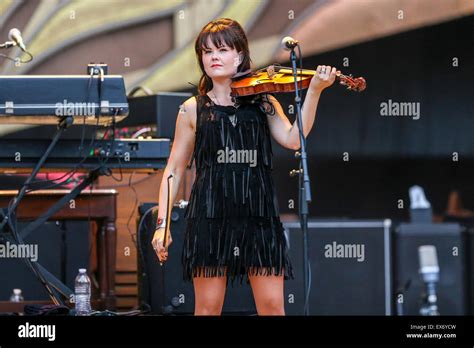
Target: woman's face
[220,62]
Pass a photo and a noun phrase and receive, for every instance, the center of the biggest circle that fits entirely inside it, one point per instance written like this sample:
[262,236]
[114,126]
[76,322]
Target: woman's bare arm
[181,152]
[287,134]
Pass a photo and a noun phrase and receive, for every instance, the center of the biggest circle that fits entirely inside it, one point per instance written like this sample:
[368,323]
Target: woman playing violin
[233,227]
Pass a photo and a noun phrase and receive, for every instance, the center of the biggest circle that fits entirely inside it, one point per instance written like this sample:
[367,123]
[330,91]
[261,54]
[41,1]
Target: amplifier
[450,242]
[160,109]
[350,267]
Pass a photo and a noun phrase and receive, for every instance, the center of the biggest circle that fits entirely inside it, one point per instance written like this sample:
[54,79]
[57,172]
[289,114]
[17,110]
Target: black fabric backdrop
[389,154]
[415,66]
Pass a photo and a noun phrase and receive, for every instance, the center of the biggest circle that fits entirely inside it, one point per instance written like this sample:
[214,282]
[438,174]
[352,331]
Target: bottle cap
[17,291]
[82,270]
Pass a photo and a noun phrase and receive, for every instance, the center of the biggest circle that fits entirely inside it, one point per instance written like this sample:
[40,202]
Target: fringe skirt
[235,247]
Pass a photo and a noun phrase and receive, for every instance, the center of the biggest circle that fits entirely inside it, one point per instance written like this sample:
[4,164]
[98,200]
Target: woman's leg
[209,294]
[268,294]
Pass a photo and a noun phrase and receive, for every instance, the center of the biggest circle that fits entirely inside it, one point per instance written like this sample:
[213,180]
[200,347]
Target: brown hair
[221,31]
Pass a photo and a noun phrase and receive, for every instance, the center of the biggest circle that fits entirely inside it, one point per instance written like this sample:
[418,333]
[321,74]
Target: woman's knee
[271,305]
[268,294]
[208,306]
[209,295]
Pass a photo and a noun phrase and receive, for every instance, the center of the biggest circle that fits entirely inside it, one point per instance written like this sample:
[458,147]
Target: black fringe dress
[233,226]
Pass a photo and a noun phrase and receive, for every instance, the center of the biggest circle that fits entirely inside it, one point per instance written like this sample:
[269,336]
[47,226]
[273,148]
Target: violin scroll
[356,84]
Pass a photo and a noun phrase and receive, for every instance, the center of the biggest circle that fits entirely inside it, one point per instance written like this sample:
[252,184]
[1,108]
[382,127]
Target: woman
[233,225]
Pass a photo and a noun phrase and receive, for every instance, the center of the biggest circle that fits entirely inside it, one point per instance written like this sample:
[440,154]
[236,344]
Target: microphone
[429,271]
[15,36]
[288,43]
[429,268]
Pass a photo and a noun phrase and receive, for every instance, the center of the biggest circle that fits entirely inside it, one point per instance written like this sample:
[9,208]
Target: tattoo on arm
[267,106]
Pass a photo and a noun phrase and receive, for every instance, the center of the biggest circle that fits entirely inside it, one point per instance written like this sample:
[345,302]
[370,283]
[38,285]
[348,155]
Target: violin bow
[169,207]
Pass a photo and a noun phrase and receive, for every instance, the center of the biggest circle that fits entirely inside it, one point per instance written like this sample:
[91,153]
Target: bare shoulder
[271,105]
[190,103]
[188,110]
[270,98]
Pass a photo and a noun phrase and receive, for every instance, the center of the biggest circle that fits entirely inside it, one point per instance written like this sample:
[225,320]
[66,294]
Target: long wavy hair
[221,31]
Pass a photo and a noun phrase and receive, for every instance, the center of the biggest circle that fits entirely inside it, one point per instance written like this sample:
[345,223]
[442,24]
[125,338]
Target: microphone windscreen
[428,259]
[13,34]
[288,42]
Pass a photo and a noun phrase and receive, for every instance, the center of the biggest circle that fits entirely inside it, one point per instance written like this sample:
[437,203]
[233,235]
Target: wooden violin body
[277,79]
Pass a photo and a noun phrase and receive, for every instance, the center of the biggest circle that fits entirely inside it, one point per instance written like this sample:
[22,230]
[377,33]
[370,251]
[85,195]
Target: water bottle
[16,296]
[82,292]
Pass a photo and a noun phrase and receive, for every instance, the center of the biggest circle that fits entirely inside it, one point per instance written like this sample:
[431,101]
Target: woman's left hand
[324,77]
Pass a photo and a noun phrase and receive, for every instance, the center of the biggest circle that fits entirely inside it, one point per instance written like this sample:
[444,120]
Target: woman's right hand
[157,243]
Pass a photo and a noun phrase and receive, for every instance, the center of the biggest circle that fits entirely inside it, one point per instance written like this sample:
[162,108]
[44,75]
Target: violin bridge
[271,71]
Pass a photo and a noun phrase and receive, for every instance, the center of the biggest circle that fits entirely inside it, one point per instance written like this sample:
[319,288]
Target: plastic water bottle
[82,293]
[16,296]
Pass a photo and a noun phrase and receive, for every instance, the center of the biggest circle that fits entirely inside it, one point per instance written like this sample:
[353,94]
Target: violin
[279,79]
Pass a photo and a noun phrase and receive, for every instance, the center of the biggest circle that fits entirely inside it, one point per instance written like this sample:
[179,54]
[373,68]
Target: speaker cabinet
[350,267]
[450,242]
[468,224]
[470,272]
[61,247]
[162,288]
[160,109]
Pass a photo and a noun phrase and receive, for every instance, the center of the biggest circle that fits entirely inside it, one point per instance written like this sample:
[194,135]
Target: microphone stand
[429,305]
[304,190]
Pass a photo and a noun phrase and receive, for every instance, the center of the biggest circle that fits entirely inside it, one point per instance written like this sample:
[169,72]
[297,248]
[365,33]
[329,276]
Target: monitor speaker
[61,247]
[350,268]
[450,241]
[160,109]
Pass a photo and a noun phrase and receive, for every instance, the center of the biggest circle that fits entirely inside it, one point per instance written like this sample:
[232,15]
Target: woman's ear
[238,60]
